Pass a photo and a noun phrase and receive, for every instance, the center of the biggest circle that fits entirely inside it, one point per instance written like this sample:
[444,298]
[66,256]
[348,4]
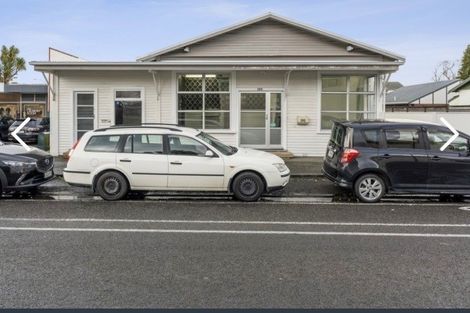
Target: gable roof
[462,84]
[151,56]
[411,93]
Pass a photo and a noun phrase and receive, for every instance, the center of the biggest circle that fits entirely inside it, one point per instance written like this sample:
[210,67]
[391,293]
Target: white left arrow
[452,129]
[15,134]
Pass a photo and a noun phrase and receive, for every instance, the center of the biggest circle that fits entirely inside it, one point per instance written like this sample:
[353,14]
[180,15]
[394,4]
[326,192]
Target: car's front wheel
[248,187]
[112,186]
[369,188]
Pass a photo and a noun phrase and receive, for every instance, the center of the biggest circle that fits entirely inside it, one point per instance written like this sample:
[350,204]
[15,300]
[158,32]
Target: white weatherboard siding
[104,84]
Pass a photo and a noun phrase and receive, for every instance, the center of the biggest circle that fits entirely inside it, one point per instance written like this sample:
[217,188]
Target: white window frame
[203,92]
[141,99]
[347,93]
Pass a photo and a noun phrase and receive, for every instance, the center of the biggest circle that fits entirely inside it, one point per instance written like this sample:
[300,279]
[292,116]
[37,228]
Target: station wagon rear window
[102,144]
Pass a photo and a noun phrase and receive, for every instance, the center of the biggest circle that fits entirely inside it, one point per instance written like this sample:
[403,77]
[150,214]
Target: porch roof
[250,64]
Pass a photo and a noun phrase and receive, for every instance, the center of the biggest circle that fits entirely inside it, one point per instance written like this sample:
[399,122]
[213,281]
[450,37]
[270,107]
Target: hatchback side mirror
[209,154]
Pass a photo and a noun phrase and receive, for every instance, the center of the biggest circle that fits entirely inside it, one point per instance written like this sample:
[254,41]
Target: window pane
[217,82]
[334,83]
[186,146]
[85,99]
[360,116]
[438,138]
[361,102]
[217,120]
[190,119]
[85,124]
[217,101]
[275,137]
[253,136]
[152,144]
[275,119]
[128,94]
[361,84]
[253,101]
[128,112]
[102,144]
[328,117]
[402,138]
[333,102]
[85,111]
[275,102]
[27,97]
[253,119]
[367,138]
[190,101]
[128,145]
[190,82]
[40,97]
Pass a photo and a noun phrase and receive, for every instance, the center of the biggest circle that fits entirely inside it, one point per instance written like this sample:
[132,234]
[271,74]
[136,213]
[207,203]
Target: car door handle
[435,158]
[125,160]
[176,163]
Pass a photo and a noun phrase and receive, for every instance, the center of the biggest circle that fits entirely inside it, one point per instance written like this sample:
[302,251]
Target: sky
[426,32]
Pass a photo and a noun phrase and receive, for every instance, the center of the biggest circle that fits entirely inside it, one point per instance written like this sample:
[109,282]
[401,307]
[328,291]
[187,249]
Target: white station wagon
[116,160]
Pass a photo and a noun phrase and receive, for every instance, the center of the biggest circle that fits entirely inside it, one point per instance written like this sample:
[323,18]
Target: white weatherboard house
[267,83]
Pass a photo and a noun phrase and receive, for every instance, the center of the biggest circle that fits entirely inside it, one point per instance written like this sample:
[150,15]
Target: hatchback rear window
[102,144]
[337,134]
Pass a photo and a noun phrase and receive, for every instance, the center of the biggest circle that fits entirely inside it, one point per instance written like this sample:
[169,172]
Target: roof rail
[166,124]
[126,127]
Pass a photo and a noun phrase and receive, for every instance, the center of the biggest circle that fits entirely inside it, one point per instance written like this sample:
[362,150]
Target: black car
[30,131]
[376,157]
[5,123]
[23,170]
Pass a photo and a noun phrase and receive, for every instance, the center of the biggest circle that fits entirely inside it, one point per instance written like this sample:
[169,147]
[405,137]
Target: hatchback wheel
[369,188]
[112,186]
[248,187]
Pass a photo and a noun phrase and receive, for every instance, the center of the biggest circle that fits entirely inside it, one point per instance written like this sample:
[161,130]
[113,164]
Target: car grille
[45,164]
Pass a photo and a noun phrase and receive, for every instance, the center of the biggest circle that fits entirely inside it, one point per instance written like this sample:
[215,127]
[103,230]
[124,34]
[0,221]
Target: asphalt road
[214,254]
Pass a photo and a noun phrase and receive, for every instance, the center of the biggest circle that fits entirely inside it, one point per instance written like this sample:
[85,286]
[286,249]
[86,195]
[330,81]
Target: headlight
[281,167]
[18,167]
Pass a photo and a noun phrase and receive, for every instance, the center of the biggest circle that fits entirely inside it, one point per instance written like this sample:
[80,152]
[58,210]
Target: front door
[448,169]
[189,167]
[261,121]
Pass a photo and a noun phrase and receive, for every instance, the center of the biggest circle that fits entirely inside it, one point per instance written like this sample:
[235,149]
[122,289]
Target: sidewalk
[299,166]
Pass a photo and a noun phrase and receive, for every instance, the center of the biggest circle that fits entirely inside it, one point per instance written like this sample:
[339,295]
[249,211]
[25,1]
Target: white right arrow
[15,134]
[456,134]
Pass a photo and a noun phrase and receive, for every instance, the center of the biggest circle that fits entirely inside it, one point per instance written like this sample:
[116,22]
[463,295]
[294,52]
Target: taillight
[73,148]
[349,155]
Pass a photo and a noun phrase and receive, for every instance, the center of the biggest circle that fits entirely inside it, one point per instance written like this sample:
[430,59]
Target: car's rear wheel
[248,187]
[112,186]
[369,188]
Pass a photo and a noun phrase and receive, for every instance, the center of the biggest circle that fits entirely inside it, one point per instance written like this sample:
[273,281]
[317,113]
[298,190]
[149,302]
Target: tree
[444,71]
[464,71]
[10,64]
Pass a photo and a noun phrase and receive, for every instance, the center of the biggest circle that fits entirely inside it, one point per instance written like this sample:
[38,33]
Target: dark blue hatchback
[373,158]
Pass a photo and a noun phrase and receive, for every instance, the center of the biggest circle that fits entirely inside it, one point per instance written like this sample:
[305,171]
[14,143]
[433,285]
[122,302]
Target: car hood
[18,150]
[258,154]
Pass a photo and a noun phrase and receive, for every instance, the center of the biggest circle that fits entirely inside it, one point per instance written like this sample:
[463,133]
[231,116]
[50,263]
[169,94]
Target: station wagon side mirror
[209,154]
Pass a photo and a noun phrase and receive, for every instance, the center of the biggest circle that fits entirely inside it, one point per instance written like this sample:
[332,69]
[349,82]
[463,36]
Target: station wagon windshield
[216,143]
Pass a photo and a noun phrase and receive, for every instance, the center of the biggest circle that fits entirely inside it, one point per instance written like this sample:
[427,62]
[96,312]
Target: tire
[248,187]
[112,186]
[369,188]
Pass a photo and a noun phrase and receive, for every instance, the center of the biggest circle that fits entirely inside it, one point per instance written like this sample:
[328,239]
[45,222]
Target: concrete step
[281,153]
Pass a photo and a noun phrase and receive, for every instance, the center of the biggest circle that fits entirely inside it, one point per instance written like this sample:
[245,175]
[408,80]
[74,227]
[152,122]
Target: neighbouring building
[23,100]
[460,100]
[391,86]
[267,83]
[428,97]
